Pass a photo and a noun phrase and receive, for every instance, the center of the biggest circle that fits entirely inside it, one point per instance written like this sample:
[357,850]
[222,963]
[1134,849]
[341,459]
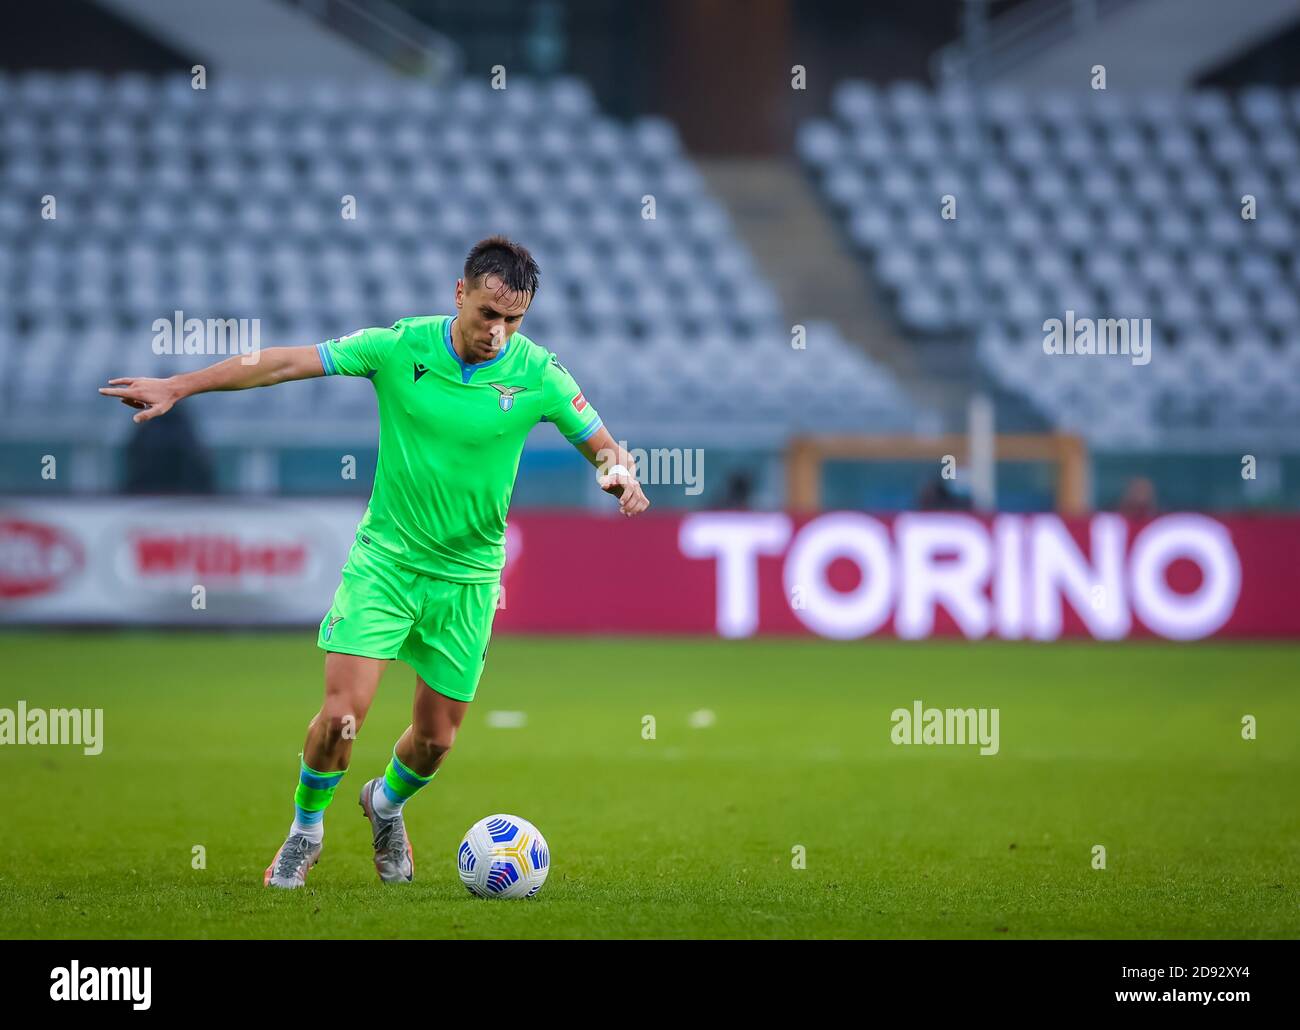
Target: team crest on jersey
[507,398]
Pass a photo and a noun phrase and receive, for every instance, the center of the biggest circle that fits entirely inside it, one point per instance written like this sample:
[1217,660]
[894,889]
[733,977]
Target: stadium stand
[1109,205]
[227,203]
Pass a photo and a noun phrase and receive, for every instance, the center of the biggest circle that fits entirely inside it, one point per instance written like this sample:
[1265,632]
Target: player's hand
[153,397]
[631,498]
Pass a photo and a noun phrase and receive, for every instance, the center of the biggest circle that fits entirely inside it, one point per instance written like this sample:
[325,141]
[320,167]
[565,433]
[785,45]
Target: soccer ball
[503,856]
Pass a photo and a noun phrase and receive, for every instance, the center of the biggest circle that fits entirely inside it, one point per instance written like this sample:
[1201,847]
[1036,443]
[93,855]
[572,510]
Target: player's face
[489,313]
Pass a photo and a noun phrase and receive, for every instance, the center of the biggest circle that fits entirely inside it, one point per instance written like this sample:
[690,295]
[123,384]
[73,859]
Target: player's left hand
[631,498]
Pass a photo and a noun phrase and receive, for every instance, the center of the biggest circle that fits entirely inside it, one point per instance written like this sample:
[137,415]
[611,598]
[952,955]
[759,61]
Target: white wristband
[619,470]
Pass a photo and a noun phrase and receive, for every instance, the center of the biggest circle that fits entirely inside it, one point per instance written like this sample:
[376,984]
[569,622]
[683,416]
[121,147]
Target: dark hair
[499,256]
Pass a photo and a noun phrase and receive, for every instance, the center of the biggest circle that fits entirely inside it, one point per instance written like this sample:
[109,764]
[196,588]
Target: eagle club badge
[507,398]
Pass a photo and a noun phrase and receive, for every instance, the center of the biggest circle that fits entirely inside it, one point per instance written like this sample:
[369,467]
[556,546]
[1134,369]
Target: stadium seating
[1109,205]
[228,203]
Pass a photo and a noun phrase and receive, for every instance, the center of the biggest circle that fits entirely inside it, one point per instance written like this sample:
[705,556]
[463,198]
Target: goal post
[806,454]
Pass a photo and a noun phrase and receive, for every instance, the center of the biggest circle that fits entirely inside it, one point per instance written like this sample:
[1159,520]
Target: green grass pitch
[1137,747]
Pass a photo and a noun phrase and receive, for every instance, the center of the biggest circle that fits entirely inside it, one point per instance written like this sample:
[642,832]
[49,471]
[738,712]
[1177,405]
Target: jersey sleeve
[358,354]
[564,404]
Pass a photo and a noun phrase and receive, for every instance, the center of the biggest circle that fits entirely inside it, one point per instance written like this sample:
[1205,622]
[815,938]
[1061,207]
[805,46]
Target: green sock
[400,785]
[314,794]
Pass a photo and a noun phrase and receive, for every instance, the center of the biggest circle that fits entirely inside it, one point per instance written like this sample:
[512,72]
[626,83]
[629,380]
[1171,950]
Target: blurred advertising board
[840,575]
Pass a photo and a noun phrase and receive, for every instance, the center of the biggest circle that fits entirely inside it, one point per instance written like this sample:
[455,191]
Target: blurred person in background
[166,457]
[1139,499]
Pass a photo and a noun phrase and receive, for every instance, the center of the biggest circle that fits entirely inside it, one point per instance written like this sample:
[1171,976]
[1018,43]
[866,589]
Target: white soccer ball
[503,856]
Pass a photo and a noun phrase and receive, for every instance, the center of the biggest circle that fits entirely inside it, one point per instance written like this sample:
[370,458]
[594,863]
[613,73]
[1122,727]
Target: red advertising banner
[840,575]
[849,575]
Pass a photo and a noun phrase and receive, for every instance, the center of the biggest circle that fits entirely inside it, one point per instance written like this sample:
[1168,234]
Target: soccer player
[457,397]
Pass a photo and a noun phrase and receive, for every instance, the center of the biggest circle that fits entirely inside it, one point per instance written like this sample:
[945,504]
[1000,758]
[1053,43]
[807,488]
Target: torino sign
[1010,577]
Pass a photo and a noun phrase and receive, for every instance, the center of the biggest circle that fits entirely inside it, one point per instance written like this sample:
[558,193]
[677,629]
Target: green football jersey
[450,437]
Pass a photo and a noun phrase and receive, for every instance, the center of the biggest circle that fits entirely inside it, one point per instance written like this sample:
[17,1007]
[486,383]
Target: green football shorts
[439,628]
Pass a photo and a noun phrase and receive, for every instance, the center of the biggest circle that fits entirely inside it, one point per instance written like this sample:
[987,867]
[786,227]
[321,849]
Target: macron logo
[102,984]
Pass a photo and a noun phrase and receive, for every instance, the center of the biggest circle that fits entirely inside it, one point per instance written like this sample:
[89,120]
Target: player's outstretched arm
[267,367]
[603,451]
